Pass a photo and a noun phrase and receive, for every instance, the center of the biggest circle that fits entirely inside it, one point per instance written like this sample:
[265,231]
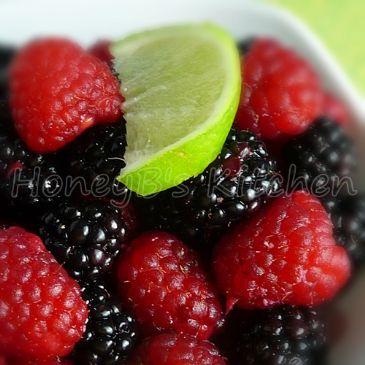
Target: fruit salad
[173,197]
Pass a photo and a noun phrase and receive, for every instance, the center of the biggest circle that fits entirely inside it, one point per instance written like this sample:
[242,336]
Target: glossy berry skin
[283,336]
[25,177]
[98,156]
[281,93]
[84,237]
[111,331]
[55,361]
[241,179]
[161,281]
[286,254]
[348,216]
[322,156]
[57,90]
[42,313]
[173,349]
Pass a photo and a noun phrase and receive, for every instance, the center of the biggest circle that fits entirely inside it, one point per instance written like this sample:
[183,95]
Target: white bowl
[88,20]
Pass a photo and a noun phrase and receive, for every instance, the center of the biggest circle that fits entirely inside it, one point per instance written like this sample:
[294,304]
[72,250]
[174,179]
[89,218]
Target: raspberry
[110,333]
[54,361]
[101,50]
[98,156]
[41,311]
[173,349]
[25,177]
[57,91]
[162,283]
[236,184]
[333,108]
[84,237]
[281,93]
[323,155]
[285,255]
[283,335]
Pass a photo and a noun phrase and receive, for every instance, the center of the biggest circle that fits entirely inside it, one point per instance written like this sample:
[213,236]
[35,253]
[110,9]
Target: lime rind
[187,156]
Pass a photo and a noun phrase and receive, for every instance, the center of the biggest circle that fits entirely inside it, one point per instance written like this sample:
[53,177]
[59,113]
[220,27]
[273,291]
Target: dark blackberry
[245,45]
[321,156]
[110,331]
[6,55]
[283,336]
[85,237]
[235,185]
[348,216]
[97,156]
[26,179]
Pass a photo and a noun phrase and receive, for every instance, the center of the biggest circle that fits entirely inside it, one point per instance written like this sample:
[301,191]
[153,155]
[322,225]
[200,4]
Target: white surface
[88,20]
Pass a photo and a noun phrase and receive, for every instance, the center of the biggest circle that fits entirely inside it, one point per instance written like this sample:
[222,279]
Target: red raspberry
[335,109]
[41,311]
[281,93]
[57,91]
[285,255]
[161,281]
[101,50]
[54,361]
[172,349]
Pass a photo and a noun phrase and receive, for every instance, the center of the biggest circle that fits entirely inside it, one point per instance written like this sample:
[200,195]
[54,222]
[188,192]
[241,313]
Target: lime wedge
[181,86]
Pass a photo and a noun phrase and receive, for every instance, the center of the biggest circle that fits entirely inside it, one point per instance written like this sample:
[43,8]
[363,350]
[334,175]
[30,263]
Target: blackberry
[6,55]
[283,336]
[26,179]
[348,216]
[97,156]
[322,155]
[235,185]
[85,237]
[110,332]
[245,45]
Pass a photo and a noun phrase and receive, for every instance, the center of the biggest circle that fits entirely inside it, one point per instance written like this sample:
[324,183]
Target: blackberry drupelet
[235,185]
[348,216]
[97,156]
[323,152]
[26,179]
[110,333]
[283,336]
[6,55]
[85,237]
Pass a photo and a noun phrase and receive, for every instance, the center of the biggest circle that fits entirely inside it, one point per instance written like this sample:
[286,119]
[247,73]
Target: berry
[84,237]
[6,55]
[322,155]
[163,284]
[97,156]
[281,93]
[283,335]
[101,50]
[57,91]
[245,46]
[110,333]
[55,361]
[42,313]
[286,254]
[174,349]
[334,109]
[235,185]
[348,216]
[25,177]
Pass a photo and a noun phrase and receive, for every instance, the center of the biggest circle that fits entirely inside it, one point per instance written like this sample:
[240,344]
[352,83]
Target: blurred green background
[341,26]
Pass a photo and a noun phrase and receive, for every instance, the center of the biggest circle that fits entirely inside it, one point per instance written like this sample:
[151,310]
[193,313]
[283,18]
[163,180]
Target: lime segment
[181,86]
